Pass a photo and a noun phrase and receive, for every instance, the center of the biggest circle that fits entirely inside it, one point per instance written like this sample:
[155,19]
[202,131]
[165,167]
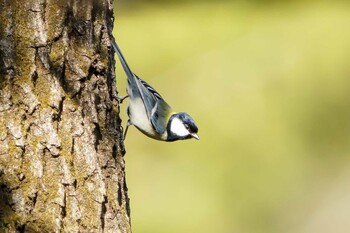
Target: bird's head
[181,126]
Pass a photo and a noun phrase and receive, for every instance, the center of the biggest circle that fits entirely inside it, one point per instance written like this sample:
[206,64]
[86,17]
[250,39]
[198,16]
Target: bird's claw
[120,99]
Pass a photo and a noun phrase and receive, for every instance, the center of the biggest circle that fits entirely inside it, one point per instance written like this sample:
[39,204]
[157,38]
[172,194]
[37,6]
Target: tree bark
[61,149]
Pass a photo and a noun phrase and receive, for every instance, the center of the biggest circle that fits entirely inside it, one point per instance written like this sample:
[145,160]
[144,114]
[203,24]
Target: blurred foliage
[269,88]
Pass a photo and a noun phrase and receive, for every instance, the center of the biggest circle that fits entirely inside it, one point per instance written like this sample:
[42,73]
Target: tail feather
[125,65]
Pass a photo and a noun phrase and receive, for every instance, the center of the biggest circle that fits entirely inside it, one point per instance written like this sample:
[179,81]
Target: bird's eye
[187,126]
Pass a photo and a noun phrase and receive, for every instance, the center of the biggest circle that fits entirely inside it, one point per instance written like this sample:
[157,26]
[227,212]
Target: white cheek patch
[178,128]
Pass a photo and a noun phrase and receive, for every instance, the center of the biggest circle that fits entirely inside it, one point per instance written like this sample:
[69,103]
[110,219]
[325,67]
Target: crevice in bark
[127,200]
[34,77]
[120,193]
[33,199]
[43,15]
[115,151]
[103,212]
[21,228]
[63,207]
[60,109]
[98,135]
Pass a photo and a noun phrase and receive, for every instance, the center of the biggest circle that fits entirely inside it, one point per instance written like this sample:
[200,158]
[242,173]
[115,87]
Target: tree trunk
[61,164]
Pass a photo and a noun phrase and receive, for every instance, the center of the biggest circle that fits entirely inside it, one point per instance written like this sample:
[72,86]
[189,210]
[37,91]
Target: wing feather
[157,110]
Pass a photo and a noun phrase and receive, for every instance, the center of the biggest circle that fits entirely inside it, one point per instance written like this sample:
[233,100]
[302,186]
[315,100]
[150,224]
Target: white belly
[139,118]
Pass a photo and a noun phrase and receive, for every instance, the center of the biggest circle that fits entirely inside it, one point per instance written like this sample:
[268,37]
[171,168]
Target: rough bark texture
[61,164]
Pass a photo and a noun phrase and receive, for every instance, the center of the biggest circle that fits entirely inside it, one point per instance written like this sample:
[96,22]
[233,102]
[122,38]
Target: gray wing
[157,109]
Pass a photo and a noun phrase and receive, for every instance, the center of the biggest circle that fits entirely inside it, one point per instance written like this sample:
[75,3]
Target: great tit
[149,112]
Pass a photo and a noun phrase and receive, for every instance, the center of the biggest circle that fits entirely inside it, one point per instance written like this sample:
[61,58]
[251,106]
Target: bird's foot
[120,99]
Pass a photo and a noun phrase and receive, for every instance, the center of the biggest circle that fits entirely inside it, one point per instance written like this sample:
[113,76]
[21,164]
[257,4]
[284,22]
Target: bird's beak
[194,135]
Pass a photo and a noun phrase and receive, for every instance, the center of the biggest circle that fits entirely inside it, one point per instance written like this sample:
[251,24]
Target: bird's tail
[125,65]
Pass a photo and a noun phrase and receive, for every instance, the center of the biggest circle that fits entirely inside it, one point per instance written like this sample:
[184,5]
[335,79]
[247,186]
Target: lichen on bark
[61,164]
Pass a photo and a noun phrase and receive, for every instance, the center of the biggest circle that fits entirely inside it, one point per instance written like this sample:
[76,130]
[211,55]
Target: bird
[150,113]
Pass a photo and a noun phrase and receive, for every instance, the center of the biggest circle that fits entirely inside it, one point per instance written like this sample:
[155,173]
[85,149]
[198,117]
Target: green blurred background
[268,84]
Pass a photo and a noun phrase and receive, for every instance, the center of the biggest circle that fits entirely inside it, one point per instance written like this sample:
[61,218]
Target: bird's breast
[138,117]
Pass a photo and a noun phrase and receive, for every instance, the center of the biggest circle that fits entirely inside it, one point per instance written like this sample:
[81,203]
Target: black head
[181,126]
